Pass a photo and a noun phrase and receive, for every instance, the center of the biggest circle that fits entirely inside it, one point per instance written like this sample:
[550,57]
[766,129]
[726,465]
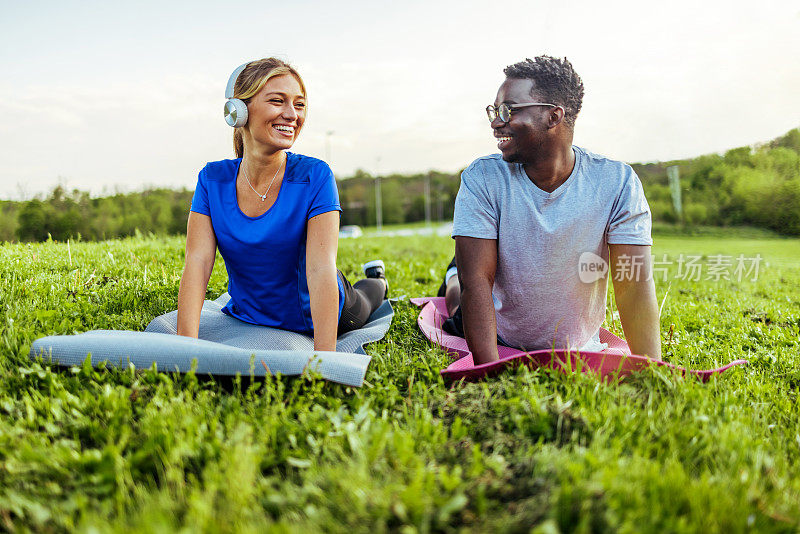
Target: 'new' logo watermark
[591,267]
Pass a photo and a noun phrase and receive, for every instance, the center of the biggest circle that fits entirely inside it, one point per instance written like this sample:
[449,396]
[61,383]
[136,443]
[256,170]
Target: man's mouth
[503,141]
[287,131]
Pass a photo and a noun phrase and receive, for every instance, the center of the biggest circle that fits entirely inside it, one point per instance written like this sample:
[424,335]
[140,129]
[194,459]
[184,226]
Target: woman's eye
[276,101]
[300,105]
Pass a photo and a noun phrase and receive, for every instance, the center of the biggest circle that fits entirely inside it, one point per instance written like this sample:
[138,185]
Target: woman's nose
[289,112]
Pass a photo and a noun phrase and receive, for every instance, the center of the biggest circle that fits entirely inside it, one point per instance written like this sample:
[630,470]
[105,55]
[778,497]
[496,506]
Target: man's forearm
[480,325]
[635,294]
[477,263]
[638,313]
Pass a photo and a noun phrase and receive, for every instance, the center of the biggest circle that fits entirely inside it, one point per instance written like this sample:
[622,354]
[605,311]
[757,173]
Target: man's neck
[549,172]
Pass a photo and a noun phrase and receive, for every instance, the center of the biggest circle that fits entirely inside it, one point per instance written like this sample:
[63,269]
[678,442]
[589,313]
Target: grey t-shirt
[539,298]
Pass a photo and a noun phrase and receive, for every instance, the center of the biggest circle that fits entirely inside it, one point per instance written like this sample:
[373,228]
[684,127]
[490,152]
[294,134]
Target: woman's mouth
[286,131]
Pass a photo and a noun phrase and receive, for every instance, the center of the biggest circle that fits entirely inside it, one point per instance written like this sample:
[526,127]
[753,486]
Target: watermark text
[689,267]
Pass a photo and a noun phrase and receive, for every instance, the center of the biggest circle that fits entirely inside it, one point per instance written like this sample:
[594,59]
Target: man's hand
[477,264]
[635,294]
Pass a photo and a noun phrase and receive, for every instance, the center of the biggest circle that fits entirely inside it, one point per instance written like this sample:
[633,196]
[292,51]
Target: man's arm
[477,264]
[635,294]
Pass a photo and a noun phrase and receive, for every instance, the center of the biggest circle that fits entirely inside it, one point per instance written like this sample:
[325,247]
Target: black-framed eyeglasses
[504,110]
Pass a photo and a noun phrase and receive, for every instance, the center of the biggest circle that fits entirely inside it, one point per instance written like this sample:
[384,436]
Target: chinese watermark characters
[695,268]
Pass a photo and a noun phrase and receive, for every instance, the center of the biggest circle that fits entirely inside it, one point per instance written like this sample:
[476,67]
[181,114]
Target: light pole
[428,199]
[328,135]
[378,205]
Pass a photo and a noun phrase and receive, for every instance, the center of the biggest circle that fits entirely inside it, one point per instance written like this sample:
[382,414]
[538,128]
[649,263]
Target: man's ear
[555,117]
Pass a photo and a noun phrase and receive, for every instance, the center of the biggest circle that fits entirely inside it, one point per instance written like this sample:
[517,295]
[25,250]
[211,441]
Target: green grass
[106,450]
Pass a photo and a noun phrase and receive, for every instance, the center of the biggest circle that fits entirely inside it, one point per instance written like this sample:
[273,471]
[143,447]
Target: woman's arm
[201,250]
[321,243]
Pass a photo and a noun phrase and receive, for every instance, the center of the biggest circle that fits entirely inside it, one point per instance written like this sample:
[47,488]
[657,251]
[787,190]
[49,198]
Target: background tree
[757,186]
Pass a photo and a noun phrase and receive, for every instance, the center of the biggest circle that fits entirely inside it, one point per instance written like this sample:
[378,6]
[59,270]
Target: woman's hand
[322,241]
[201,250]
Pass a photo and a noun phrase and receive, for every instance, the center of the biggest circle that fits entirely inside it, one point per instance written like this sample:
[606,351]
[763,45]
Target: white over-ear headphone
[235,109]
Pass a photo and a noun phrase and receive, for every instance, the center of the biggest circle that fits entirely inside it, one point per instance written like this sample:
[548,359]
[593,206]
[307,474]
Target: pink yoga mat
[615,361]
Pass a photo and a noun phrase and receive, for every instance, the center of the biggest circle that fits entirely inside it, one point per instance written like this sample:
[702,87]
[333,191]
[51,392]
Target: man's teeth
[503,139]
[288,129]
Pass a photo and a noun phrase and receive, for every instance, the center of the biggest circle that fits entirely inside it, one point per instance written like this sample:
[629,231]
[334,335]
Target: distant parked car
[350,230]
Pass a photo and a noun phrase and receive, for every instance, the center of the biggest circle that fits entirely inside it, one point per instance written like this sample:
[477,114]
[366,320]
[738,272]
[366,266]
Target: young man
[540,227]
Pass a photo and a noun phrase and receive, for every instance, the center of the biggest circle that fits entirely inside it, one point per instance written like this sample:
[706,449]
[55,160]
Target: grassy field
[100,450]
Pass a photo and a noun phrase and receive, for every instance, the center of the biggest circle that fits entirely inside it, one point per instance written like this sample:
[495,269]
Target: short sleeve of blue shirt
[325,195]
[265,256]
[200,198]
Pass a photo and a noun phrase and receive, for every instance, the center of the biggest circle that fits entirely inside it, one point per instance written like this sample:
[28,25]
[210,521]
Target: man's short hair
[554,80]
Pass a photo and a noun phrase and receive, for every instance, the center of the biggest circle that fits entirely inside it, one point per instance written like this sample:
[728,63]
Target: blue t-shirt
[265,256]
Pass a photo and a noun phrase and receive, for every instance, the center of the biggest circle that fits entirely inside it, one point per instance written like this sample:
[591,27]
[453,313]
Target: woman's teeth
[286,129]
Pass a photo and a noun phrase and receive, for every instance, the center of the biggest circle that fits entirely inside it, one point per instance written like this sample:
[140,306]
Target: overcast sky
[103,97]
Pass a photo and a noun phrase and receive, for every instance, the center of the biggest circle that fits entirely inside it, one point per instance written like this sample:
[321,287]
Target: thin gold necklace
[264,196]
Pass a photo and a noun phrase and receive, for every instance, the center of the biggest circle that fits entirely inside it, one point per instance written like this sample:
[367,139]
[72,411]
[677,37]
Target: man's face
[520,139]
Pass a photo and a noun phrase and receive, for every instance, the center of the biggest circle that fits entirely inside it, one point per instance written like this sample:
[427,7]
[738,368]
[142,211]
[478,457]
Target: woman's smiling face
[276,113]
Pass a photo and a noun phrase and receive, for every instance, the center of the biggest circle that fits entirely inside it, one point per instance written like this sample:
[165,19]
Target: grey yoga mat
[226,346]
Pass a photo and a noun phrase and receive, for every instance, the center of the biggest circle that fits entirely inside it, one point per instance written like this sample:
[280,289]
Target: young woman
[274,216]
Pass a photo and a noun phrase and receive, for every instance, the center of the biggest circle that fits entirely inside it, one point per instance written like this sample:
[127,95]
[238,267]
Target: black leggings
[360,300]
[455,325]
[443,287]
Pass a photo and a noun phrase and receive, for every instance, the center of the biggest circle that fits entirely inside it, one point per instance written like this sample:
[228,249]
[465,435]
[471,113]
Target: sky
[107,96]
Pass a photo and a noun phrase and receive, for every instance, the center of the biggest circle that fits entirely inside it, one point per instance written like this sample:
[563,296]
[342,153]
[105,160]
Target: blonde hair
[250,81]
